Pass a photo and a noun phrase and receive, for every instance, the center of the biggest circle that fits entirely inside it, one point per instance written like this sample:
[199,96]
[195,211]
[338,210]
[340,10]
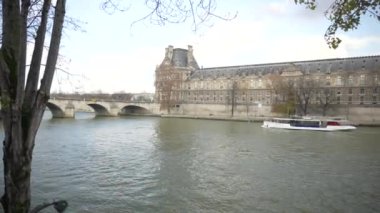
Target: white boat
[309,124]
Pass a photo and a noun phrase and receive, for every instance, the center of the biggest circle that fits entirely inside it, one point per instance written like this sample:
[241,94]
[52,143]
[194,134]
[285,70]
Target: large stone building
[348,87]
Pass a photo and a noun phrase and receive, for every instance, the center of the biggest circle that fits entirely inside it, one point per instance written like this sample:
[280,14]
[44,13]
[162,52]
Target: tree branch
[54,48]
[34,69]
[44,91]
[175,11]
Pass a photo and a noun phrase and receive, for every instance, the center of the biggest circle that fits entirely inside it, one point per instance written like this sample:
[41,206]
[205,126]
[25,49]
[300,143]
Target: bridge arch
[56,111]
[99,109]
[134,110]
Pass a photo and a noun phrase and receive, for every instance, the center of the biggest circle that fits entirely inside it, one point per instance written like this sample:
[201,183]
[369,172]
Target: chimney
[190,57]
[190,49]
[169,52]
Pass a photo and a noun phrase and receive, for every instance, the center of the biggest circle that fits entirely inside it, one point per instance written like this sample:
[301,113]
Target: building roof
[368,63]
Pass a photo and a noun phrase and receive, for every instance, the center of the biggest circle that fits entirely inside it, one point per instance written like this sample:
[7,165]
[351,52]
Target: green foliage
[345,15]
[287,108]
[310,4]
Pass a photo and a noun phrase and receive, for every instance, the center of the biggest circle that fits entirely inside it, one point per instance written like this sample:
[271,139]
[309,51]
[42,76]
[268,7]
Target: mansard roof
[368,63]
[180,58]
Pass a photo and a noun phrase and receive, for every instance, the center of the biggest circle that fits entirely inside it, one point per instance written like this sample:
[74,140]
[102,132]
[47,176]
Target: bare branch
[162,12]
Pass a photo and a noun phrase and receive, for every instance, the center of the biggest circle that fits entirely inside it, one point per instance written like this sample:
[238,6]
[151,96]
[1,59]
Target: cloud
[114,72]
[277,8]
[363,45]
[221,43]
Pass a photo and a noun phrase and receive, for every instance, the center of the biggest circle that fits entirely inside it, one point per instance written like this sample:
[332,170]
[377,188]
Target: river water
[150,164]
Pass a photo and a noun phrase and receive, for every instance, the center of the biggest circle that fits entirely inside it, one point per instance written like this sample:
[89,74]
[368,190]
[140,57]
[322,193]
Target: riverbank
[223,118]
[242,119]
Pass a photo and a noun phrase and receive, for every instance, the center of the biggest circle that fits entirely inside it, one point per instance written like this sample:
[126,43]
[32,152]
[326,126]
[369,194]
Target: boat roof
[311,119]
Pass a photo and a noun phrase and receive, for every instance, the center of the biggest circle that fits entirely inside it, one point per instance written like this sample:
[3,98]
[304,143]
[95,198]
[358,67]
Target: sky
[110,54]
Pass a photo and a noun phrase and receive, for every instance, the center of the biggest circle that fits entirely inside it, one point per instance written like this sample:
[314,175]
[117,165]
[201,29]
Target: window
[350,80]
[362,79]
[339,81]
[362,91]
[374,100]
[338,100]
[361,99]
[350,91]
[350,100]
[328,79]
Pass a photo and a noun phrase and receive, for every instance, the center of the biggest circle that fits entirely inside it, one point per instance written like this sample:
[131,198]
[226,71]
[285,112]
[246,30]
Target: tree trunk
[17,152]
[17,167]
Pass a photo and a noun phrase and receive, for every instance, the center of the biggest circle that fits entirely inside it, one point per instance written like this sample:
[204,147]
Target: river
[151,164]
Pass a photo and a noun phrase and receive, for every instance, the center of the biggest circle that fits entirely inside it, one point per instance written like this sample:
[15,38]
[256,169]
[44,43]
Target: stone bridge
[66,108]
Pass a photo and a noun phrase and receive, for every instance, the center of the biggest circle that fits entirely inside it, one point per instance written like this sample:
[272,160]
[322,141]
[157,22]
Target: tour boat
[309,124]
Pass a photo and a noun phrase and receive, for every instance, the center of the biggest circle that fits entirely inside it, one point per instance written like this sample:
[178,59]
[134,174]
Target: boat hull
[328,128]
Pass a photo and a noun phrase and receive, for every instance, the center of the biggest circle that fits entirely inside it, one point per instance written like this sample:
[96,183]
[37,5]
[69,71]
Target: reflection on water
[142,164]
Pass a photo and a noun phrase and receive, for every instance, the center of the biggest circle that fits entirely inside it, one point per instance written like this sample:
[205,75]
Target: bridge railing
[100,100]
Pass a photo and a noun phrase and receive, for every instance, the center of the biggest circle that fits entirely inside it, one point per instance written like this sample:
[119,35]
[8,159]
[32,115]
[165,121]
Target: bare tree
[168,85]
[233,92]
[305,90]
[325,97]
[245,98]
[23,102]
[284,94]
[162,12]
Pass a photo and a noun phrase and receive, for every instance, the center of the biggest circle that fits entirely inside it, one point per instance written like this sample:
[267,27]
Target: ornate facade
[179,80]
